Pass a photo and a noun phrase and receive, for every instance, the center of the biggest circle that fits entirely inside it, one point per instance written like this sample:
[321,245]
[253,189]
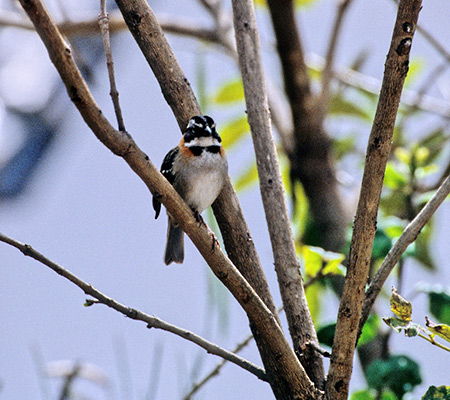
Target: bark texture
[287,266]
[379,146]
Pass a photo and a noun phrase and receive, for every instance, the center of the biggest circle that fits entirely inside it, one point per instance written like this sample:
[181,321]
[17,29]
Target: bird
[197,169]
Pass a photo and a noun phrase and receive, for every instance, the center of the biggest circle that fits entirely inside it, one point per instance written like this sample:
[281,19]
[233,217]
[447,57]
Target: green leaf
[230,92]
[398,373]
[370,330]
[397,324]
[314,295]
[304,3]
[416,66]
[344,146]
[381,245]
[437,393]
[317,259]
[300,207]
[340,106]
[333,264]
[439,304]
[394,178]
[325,334]
[312,259]
[368,394]
[233,131]
[403,155]
[435,143]
[297,3]
[247,178]
[392,226]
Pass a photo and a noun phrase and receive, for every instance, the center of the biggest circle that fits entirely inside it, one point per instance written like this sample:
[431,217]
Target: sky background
[85,209]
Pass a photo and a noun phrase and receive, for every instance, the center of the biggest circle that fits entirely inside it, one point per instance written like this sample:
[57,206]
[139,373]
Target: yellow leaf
[442,330]
[401,307]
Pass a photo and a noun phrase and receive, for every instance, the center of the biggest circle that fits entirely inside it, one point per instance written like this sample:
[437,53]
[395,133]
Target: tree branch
[408,236]
[103,21]
[151,321]
[311,159]
[287,266]
[379,146]
[182,100]
[216,370]
[226,208]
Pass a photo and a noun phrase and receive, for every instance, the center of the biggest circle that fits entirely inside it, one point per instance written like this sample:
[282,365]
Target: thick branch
[408,236]
[379,146]
[234,230]
[287,266]
[311,160]
[277,347]
[151,321]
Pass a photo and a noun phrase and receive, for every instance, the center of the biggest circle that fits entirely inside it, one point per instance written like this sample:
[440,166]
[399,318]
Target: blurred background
[65,194]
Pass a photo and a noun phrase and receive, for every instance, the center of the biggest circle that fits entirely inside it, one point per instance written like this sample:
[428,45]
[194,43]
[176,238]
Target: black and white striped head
[201,131]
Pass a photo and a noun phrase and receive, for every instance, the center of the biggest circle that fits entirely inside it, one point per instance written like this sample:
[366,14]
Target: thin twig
[408,236]
[287,266]
[433,342]
[103,21]
[151,321]
[217,369]
[378,149]
[327,72]
[68,381]
[371,85]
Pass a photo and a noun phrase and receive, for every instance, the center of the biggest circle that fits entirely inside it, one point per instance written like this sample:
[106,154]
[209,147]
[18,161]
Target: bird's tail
[175,244]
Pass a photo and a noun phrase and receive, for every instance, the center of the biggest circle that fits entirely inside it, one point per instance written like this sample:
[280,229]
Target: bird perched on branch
[197,169]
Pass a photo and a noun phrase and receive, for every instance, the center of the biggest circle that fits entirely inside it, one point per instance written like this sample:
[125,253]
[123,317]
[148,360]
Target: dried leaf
[401,307]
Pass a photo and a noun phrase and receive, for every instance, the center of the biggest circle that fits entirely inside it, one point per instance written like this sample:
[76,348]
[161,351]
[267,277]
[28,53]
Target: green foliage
[381,245]
[314,295]
[370,330]
[369,394]
[298,3]
[399,374]
[412,163]
[234,130]
[438,301]
[247,178]
[437,393]
[344,146]
[440,305]
[230,92]
[318,261]
[341,106]
[325,334]
[319,264]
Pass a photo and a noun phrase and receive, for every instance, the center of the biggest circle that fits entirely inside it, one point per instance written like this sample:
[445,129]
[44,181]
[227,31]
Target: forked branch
[121,143]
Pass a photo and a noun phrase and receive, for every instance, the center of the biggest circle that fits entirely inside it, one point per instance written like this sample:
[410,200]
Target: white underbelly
[205,190]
